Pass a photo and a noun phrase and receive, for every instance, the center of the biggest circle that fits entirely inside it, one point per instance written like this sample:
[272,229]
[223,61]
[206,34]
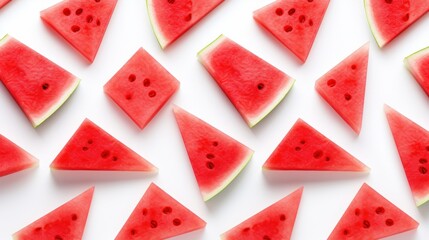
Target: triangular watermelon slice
[343,87]
[38,85]
[13,158]
[418,64]
[216,158]
[170,19]
[159,216]
[274,222]
[141,87]
[412,142]
[371,216]
[304,148]
[65,222]
[254,86]
[91,148]
[388,18]
[4,2]
[82,23]
[294,23]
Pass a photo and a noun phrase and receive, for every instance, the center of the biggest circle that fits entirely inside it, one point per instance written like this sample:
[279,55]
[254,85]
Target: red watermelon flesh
[82,23]
[294,23]
[159,216]
[65,222]
[170,19]
[38,85]
[141,87]
[274,222]
[254,86]
[412,142]
[304,148]
[216,158]
[343,87]
[91,148]
[388,18]
[4,2]
[418,64]
[371,216]
[13,158]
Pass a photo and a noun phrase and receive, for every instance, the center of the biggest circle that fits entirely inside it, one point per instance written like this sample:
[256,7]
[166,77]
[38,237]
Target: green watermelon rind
[280,96]
[209,195]
[410,60]
[159,36]
[381,42]
[37,121]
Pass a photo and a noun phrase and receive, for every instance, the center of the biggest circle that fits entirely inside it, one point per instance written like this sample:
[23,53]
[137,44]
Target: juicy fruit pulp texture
[13,158]
[412,142]
[389,18]
[418,65]
[216,158]
[274,222]
[304,148]
[82,23]
[38,85]
[65,222]
[253,86]
[159,216]
[371,216]
[170,19]
[141,87]
[91,148]
[343,87]
[294,23]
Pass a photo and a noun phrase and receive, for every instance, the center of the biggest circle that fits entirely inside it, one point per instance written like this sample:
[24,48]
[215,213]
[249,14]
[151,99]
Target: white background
[28,195]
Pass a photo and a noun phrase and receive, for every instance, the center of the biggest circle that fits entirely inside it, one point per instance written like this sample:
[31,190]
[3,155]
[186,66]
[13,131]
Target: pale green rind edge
[210,46]
[421,201]
[4,39]
[414,57]
[59,103]
[227,181]
[159,37]
[252,122]
[370,19]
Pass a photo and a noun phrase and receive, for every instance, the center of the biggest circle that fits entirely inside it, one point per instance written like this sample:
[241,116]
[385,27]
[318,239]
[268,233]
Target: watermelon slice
[388,18]
[13,158]
[170,19]
[38,85]
[65,222]
[343,87]
[159,216]
[82,23]
[412,142]
[304,148]
[294,23]
[418,64]
[253,86]
[274,222]
[216,158]
[371,216]
[4,2]
[141,87]
[91,148]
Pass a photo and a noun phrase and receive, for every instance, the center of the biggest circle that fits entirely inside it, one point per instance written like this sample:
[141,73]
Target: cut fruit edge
[208,195]
[280,96]
[410,60]
[39,120]
[381,42]
[418,200]
[159,36]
